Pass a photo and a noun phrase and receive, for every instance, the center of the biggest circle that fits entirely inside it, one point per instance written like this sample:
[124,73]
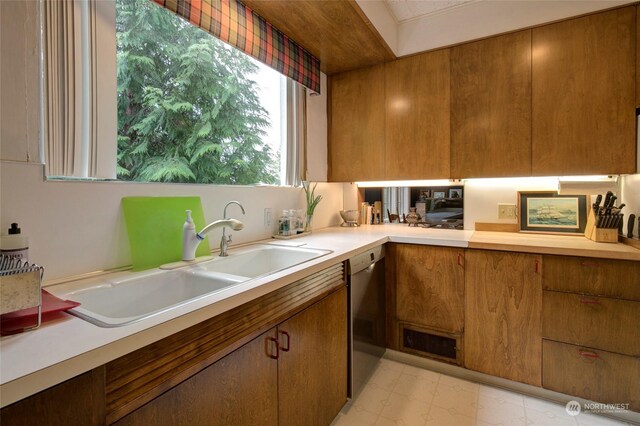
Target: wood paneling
[496,227]
[491,107]
[390,274]
[599,277]
[417,117]
[137,378]
[239,389]
[356,125]
[337,32]
[430,286]
[583,97]
[78,401]
[592,374]
[312,374]
[503,309]
[637,57]
[597,322]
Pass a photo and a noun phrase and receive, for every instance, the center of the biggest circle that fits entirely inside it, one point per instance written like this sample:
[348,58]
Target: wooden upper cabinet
[583,74]
[356,125]
[491,107]
[503,326]
[417,117]
[637,57]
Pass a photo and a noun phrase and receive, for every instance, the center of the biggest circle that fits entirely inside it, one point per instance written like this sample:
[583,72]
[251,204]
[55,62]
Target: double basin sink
[113,303]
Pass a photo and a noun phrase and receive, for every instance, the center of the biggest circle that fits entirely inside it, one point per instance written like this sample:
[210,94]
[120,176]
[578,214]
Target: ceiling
[405,10]
[335,31]
[352,34]
[412,26]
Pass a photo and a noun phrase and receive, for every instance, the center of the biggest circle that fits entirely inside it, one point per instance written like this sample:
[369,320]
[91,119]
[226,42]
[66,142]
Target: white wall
[630,195]
[317,133]
[20,129]
[78,227]
[482,196]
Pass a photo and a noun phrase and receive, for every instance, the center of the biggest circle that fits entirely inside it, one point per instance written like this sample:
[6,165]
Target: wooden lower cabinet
[78,401]
[312,368]
[293,374]
[595,322]
[430,286]
[591,374]
[425,300]
[598,277]
[240,389]
[503,315]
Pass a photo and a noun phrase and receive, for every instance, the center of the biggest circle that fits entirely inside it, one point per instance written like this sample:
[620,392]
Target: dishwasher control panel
[362,261]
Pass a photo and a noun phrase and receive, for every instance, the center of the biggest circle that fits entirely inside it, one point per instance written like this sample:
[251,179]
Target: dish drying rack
[20,287]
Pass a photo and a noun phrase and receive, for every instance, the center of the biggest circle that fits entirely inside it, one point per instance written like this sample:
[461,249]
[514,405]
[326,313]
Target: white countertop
[68,346]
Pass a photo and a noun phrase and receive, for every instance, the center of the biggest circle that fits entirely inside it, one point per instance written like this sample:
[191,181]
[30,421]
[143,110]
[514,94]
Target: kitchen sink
[114,303]
[260,260]
[117,303]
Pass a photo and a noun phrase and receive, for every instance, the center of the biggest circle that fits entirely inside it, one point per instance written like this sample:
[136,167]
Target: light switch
[268,218]
[506,211]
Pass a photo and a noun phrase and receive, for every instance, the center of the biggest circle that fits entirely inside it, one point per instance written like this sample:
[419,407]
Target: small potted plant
[312,203]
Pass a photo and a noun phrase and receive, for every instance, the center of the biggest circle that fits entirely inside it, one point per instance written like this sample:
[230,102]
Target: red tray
[16,322]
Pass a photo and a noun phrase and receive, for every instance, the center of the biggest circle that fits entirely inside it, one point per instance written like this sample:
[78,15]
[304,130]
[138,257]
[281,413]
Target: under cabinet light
[403,183]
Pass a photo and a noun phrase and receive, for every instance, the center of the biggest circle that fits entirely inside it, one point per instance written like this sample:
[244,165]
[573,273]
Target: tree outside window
[189,106]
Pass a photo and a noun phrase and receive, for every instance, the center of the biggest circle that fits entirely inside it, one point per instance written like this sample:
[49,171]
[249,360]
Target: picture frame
[439,194]
[547,212]
[455,193]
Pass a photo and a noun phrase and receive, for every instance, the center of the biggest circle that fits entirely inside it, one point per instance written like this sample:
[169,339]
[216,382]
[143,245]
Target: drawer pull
[273,340]
[589,354]
[588,264]
[284,333]
[587,301]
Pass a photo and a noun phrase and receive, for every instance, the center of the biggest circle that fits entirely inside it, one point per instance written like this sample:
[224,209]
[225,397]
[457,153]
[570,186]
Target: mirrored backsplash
[438,206]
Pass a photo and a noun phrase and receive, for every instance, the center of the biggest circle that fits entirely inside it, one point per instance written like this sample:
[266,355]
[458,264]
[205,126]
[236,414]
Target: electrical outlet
[506,211]
[268,218]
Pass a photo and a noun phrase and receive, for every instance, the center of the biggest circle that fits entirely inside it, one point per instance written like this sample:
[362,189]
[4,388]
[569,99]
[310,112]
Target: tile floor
[400,394]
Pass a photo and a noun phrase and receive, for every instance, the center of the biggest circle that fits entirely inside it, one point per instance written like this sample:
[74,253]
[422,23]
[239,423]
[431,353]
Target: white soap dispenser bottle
[15,244]
[188,238]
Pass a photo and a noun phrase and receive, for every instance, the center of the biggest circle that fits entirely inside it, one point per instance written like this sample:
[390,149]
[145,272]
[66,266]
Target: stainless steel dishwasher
[367,335]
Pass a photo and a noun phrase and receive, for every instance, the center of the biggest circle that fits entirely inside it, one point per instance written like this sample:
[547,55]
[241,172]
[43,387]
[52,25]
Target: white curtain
[79,88]
[396,200]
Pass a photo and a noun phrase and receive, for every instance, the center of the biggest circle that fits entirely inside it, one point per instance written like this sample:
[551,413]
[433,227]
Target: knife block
[599,235]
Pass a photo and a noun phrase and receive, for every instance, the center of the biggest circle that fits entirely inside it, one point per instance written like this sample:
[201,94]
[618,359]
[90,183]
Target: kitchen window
[160,100]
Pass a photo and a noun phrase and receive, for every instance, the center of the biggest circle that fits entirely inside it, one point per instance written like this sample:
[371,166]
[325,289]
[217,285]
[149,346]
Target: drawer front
[592,374]
[597,322]
[599,277]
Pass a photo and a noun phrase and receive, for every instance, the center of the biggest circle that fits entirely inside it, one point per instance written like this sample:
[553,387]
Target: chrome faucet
[191,239]
[224,242]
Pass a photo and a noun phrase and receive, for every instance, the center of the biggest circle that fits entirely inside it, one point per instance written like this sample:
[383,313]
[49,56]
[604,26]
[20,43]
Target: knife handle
[630,224]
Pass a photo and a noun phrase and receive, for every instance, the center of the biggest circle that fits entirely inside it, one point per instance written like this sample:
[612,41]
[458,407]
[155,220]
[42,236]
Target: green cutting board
[154,225]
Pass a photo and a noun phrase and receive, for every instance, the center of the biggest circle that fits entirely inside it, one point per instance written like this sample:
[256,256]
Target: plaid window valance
[236,24]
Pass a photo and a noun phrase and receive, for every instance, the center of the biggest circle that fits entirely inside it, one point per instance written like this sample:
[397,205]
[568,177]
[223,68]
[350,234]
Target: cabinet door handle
[537,266]
[460,260]
[273,340]
[588,301]
[588,264]
[589,354]
[284,333]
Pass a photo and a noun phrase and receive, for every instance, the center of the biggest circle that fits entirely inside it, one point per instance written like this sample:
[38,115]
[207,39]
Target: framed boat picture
[550,213]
